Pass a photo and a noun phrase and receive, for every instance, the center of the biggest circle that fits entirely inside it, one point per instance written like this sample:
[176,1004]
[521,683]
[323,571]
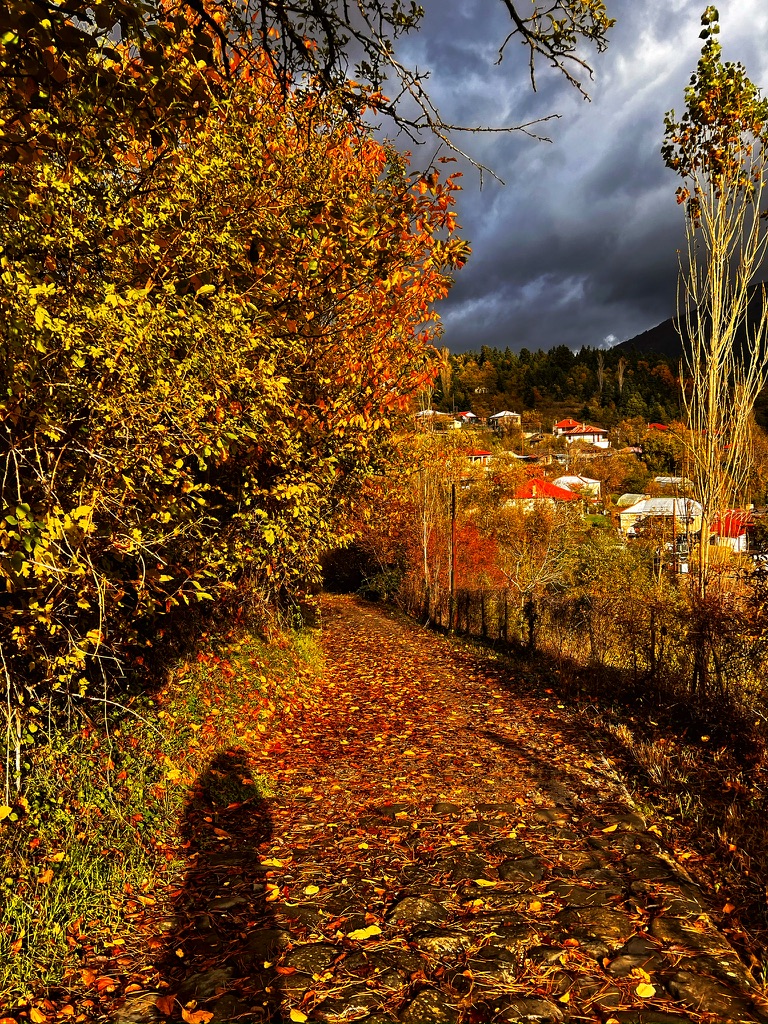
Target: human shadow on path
[224,931]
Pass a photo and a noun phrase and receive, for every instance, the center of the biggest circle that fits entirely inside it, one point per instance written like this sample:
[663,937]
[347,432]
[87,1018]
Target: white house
[505,420]
[597,436]
[479,457]
[583,485]
[680,514]
[564,425]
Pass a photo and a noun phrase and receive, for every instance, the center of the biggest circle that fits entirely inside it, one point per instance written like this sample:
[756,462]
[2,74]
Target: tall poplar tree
[718,147]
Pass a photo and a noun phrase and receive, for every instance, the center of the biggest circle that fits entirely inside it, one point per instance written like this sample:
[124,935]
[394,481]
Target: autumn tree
[438,464]
[214,289]
[51,53]
[533,540]
[199,359]
[618,472]
[718,147]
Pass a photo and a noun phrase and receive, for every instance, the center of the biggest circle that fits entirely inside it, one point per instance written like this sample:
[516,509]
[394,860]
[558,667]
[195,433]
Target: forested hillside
[606,386]
[638,377]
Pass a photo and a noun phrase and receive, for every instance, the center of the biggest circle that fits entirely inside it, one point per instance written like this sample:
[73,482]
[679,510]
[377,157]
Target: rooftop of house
[580,431]
[540,488]
[681,507]
[626,500]
[670,481]
[573,480]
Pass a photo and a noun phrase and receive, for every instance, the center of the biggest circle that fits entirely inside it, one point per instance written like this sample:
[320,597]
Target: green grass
[96,830]
[79,844]
[600,522]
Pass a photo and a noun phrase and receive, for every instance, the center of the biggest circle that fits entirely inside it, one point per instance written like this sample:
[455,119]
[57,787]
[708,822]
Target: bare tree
[719,148]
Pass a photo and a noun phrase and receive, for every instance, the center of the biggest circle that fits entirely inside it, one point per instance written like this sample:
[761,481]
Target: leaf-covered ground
[445,846]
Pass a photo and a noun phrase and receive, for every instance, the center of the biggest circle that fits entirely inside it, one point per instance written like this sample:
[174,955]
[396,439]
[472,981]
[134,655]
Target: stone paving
[449,851]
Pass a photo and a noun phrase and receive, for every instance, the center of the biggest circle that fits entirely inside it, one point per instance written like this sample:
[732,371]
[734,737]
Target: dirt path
[444,849]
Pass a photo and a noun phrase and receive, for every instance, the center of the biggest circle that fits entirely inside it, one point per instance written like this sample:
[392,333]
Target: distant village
[577,462]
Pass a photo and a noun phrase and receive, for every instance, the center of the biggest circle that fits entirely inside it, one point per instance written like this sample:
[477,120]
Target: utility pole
[674,531]
[452,562]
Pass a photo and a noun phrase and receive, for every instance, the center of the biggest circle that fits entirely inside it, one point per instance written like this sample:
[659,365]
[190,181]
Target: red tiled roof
[566,424]
[540,488]
[657,426]
[478,453]
[581,431]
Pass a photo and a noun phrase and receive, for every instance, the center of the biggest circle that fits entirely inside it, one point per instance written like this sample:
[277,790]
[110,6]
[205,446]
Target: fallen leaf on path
[196,1016]
[365,933]
[165,1004]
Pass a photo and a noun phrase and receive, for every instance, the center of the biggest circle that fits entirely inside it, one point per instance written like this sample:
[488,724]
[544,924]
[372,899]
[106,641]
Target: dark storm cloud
[580,246]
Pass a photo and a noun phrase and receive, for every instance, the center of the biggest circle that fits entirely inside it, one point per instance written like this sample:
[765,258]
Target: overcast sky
[579,247]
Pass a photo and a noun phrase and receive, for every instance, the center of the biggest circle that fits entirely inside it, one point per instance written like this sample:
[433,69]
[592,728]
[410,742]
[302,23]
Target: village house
[433,419]
[563,426]
[677,515]
[538,489]
[583,485]
[505,420]
[597,436]
[732,529]
[479,457]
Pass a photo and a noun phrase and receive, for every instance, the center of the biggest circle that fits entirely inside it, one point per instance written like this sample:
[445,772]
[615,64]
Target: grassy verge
[85,850]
